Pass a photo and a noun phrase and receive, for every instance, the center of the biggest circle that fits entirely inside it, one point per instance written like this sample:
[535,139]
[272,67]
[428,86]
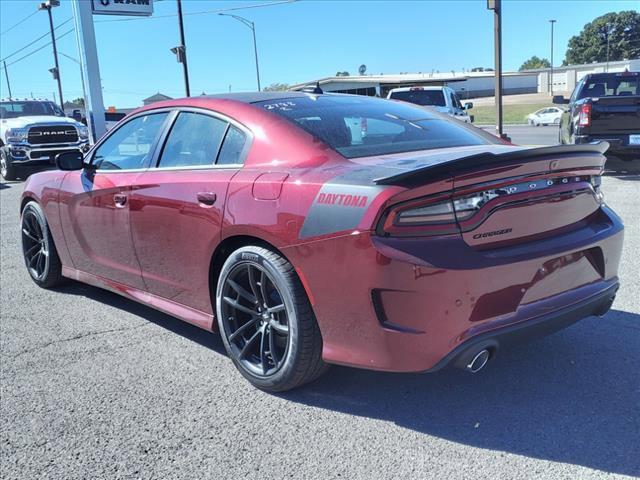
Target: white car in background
[545,116]
[443,99]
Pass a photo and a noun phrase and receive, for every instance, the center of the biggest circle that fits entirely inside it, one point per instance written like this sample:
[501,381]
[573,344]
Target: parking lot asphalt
[96,386]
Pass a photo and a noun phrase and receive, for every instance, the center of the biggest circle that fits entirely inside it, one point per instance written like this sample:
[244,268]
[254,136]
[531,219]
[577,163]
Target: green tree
[623,30]
[535,62]
[78,101]
[277,87]
[342,74]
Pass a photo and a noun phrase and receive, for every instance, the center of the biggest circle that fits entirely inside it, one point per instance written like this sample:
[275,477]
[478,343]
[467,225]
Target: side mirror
[559,100]
[468,105]
[70,161]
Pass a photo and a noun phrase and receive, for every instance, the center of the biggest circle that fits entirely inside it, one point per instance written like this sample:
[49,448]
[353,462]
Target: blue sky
[297,42]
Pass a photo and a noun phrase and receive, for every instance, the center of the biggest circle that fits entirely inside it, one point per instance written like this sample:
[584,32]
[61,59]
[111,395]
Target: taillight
[584,118]
[439,215]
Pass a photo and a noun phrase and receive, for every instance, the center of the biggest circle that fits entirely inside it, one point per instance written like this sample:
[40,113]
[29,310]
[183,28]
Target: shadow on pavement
[566,398]
[552,399]
[202,337]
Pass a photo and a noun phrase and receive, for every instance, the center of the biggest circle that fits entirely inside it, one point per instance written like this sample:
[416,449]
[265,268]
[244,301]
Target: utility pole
[496,6]
[181,50]
[607,33]
[252,27]
[48,5]
[6,72]
[551,69]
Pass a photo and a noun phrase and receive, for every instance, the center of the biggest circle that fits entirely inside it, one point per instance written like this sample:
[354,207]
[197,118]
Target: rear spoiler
[419,175]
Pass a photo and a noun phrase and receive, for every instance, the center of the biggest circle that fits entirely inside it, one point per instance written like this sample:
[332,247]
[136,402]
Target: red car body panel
[382,302]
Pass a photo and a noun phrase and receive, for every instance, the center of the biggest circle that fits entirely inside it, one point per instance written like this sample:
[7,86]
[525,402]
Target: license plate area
[634,139]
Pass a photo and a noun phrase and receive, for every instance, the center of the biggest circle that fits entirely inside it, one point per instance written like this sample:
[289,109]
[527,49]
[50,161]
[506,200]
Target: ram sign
[123,7]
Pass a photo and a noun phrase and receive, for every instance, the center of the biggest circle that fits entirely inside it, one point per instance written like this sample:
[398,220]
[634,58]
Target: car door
[95,207]
[177,207]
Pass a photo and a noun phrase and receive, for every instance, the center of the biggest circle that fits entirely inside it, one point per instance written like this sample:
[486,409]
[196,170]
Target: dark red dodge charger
[311,229]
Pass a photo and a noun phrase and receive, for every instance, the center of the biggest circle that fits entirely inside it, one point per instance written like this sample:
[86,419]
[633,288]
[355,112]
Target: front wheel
[39,251]
[267,325]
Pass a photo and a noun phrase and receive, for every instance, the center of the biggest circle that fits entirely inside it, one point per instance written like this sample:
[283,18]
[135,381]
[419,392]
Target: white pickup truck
[32,133]
[443,99]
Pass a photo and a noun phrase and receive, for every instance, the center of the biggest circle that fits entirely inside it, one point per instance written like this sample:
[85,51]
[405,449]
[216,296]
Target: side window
[129,146]
[456,101]
[193,141]
[231,151]
[578,88]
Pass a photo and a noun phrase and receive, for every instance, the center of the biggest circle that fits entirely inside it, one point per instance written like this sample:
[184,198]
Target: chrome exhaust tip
[479,361]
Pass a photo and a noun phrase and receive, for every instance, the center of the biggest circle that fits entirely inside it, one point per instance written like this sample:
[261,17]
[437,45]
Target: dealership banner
[123,7]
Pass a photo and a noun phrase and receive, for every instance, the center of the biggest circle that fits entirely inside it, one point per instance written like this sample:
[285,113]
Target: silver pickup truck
[32,133]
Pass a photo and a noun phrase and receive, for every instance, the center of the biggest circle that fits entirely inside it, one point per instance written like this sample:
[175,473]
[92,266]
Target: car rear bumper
[597,304]
[619,144]
[413,304]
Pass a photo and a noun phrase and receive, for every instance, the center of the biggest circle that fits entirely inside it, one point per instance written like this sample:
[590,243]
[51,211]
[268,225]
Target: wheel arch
[228,246]
[26,199]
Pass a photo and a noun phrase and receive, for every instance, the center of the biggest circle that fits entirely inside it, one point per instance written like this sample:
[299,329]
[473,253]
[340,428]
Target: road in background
[529,135]
[545,136]
[97,386]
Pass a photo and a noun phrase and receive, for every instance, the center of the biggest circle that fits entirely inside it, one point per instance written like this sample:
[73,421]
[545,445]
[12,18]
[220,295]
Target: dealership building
[470,84]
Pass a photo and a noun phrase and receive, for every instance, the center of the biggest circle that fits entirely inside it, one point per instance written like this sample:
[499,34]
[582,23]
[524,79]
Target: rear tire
[39,252]
[7,169]
[266,322]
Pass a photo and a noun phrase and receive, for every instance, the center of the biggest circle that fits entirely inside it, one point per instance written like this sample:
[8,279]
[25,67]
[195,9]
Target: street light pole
[252,26]
[183,46]
[496,6]
[551,69]
[48,5]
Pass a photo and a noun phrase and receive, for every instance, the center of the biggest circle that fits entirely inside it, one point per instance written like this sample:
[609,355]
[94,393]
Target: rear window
[421,97]
[611,85]
[358,126]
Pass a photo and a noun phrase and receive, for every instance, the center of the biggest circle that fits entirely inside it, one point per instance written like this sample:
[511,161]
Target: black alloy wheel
[266,321]
[34,246]
[255,319]
[38,249]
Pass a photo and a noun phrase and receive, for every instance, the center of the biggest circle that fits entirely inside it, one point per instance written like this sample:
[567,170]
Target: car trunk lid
[506,197]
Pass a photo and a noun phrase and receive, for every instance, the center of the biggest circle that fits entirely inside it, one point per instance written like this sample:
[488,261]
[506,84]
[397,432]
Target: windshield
[358,126]
[611,85]
[421,97]
[14,109]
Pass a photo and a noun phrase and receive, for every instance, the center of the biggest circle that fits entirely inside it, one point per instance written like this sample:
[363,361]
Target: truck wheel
[7,169]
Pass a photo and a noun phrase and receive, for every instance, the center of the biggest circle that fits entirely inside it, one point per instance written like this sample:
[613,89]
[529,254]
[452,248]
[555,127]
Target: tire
[7,169]
[276,348]
[556,121]
[38,249]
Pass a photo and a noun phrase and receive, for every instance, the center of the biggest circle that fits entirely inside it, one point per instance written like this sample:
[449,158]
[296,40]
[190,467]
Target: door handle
[120,199]
[207,198]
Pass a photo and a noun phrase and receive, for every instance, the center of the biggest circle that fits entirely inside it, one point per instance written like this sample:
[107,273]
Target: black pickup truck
[604,106]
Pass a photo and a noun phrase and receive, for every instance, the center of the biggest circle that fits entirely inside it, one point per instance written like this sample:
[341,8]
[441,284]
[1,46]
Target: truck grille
[52,134]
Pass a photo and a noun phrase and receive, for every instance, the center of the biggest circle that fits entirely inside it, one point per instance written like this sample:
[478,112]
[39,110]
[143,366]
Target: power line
[40,48]
[205,12]
[19,23]
[35,41]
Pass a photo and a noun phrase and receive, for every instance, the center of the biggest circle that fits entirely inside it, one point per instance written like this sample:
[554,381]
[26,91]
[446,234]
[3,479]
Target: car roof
[255,97]
[417,89]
